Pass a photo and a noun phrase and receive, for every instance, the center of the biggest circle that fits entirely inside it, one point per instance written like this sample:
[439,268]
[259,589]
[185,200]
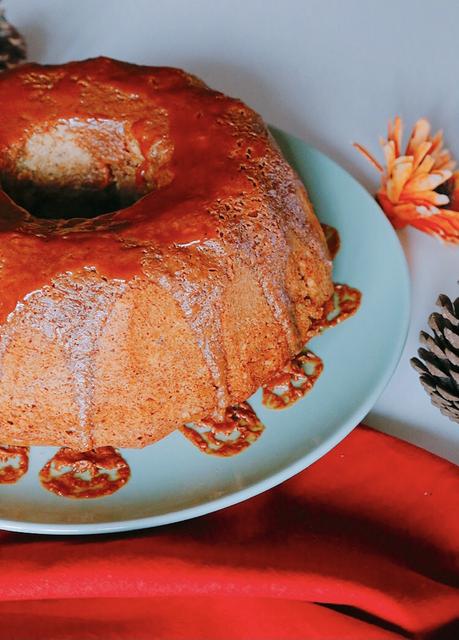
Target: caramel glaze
[293,381]
[226,209]
[300,374]
[203,164]
[10,472]
[344,302]
[215,438]
[85,474]
[332,238]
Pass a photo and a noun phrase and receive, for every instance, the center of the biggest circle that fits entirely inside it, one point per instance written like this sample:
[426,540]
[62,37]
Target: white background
[328,71]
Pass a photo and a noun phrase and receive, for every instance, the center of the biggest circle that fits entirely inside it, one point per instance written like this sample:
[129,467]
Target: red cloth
[363,545]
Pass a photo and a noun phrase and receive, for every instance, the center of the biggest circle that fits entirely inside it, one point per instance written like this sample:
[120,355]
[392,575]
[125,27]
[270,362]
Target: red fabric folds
[362,545]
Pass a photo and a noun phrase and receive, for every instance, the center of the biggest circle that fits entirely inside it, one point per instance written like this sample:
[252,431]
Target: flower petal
[403,167]
[427,181]
[405,212]
[444,225]
[443,160]
[395,134]
[421,153]
[368,156]
[389,154]
[426,165]
[424,210]
[437,142]
[425,197]
[419,135]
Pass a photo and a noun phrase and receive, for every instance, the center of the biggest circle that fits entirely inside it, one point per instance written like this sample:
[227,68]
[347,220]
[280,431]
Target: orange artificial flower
[418,188]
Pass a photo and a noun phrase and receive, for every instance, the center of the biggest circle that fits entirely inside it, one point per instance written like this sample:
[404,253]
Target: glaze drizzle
[201,167]
[332,239]
[14,463]
[344,302]
[85,474]
[293,381]
[240,428]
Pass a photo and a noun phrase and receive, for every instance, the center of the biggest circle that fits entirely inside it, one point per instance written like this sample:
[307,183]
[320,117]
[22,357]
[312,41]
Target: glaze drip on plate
[14,463]
[332,239]
[344,302]
[293,381]
[240,428]
[100,472]
[299,375]
[85,474]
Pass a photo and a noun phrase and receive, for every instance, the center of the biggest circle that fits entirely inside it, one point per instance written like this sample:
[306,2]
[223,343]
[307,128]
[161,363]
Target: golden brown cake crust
[118,328]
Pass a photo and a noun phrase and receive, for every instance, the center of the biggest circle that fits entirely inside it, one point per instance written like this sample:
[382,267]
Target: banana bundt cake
[159,259]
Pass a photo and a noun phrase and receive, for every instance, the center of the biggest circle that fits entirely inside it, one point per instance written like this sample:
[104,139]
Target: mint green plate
[172,480]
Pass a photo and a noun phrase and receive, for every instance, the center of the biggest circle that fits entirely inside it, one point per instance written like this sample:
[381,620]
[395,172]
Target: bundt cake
[159,259]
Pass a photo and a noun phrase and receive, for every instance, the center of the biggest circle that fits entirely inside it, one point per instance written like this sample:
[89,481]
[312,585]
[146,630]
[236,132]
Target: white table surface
[328,71]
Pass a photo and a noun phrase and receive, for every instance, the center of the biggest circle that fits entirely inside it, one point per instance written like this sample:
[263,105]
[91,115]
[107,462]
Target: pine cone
[12,45]
[439,373]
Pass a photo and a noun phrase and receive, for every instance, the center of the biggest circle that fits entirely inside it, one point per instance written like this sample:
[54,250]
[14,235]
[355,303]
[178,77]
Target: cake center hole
[83,169]
[67,201]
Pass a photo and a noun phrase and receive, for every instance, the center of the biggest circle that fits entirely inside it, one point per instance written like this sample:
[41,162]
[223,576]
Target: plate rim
[252,490]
